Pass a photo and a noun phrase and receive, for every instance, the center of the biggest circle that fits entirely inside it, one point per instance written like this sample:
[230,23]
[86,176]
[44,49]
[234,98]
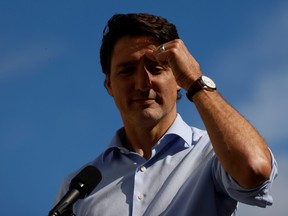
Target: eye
[155,68]
[126,71]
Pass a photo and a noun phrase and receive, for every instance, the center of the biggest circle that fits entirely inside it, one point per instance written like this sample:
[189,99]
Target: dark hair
[134,24]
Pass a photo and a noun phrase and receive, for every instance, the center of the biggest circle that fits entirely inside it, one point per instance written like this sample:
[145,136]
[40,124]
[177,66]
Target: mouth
[143,100]
[146,99]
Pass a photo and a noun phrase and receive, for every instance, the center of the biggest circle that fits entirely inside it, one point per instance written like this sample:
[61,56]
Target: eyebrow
[130,63]
[126,64]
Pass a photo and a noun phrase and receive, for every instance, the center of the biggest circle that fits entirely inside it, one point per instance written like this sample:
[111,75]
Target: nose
[143,80]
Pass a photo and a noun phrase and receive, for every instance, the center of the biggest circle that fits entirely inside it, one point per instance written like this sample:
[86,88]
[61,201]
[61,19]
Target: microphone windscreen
[86,180]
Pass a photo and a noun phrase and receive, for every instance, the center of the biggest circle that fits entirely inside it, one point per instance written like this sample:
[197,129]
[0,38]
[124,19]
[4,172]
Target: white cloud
[26,58]
[262,56]
[265,53]
[268,104]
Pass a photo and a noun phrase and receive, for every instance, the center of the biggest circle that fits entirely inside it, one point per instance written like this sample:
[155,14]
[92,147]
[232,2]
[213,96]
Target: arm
[240,148]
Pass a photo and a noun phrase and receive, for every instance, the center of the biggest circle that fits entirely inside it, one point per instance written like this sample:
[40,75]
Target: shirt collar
[179,128]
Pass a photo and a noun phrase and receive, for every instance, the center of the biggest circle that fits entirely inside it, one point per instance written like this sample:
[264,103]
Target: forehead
[131,48]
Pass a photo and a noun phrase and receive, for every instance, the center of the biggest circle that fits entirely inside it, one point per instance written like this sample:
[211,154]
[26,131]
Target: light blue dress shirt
[182,177]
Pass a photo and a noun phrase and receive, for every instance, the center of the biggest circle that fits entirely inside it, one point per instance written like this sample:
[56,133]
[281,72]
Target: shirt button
[140,197]
[142,168]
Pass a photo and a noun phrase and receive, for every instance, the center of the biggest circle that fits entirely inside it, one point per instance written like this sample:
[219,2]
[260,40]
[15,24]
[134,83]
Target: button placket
[142,169]
[139,204]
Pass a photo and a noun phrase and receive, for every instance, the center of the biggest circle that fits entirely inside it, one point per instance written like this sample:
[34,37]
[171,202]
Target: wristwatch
[203,82]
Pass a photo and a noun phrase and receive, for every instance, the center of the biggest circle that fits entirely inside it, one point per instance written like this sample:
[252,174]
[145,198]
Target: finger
[161,53]
[150,55]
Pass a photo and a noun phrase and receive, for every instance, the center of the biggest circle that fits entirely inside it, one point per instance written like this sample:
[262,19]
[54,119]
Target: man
[157,164]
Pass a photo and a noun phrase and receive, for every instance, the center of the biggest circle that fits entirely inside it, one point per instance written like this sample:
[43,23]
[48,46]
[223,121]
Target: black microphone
[80,186]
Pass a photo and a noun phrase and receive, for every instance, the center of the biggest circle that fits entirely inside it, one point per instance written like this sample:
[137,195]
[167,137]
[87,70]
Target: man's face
[144,90]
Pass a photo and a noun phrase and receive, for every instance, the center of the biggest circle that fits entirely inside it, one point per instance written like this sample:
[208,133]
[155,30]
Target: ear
[178,88]
[108,85]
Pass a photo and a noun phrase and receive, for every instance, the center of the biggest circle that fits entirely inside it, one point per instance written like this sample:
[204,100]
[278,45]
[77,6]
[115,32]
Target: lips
[147,98]
[143,100]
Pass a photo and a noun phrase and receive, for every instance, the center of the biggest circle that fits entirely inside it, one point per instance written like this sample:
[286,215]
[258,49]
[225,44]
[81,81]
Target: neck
[141,139]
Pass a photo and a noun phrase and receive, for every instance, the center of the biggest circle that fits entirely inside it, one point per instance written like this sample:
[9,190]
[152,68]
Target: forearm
[240,148]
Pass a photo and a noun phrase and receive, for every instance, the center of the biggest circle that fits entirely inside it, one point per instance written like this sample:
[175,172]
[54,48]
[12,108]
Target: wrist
[202,83]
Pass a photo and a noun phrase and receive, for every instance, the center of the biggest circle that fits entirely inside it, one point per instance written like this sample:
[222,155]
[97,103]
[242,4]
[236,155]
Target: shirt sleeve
[258,196]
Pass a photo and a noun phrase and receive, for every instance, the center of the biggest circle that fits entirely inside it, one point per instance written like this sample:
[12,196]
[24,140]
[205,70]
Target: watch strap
[203,82]
[194,88]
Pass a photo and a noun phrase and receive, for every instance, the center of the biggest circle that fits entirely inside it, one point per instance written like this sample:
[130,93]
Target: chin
[151,117]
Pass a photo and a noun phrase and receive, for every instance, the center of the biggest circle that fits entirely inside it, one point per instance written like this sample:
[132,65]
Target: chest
[153,187]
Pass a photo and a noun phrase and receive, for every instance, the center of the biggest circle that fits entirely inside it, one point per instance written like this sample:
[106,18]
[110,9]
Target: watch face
[208,82]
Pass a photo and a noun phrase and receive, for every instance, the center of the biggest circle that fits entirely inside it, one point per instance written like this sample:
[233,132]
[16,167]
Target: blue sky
[55,114]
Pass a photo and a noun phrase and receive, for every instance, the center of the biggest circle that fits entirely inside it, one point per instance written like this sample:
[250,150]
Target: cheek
[169,85]
[120,90]
[167,93]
